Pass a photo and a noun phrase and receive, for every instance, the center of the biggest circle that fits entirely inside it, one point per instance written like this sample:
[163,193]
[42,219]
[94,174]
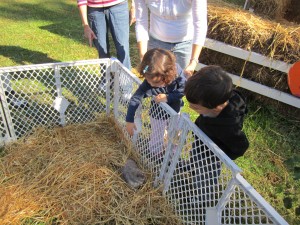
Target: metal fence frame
[199,180]
[259,59]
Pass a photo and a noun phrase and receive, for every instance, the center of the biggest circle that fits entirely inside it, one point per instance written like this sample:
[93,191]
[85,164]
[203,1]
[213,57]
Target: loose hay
[71,175]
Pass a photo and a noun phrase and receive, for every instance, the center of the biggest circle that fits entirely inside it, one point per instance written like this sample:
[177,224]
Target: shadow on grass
[55,11]
[65,17]
[24,56]
[64,21]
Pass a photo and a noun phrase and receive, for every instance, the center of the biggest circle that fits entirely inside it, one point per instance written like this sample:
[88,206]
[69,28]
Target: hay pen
[243,29]
[71,175]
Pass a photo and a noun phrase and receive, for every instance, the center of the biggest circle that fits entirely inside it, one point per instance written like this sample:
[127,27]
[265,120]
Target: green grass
[36,31]
[271,162]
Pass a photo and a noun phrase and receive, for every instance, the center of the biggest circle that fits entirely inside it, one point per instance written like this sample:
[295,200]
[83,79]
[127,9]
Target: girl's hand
[160,98]
[130,127]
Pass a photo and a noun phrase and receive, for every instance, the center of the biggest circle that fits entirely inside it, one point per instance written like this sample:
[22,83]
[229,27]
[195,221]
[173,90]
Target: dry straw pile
[71,175]
[271,8]
[248,31]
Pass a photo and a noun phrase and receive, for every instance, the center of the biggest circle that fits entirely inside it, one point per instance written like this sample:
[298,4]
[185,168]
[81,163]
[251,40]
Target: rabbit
[133,176]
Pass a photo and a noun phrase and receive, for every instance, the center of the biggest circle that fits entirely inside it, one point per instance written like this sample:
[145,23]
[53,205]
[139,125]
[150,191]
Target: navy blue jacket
[174,92]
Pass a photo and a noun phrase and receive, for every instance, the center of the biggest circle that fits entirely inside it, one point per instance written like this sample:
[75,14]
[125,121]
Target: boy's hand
[160,98]
[130,127]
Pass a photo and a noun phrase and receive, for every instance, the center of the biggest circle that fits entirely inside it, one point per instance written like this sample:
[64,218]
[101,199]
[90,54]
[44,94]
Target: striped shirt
[98,3]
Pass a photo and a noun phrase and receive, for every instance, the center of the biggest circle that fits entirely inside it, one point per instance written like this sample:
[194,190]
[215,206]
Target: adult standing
[99,16]
[176,25]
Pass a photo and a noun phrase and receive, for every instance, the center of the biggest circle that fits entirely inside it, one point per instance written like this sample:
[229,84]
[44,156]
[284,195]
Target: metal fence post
[5,112]
[60,103]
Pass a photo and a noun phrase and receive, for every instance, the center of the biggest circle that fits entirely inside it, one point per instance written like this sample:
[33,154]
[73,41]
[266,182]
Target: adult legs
[182,50]
[98,23]
[118,20]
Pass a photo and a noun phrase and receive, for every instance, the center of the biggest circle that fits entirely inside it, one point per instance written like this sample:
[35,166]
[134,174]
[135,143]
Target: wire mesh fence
[51,94]
[199,181]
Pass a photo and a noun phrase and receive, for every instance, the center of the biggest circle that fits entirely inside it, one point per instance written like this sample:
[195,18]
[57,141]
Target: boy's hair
[209,87]
[159,62]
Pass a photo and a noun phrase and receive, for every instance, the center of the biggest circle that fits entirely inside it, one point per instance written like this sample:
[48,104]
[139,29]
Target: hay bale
[293,12]
[251,71]
[243,29]
[71,175]
[272,9]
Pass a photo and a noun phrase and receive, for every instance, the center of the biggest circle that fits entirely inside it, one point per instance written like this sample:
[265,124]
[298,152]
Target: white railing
[259,60]
[198,179]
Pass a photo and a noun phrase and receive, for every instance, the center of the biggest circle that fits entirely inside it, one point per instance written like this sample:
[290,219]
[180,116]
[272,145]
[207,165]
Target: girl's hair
[160,63]
[209,87]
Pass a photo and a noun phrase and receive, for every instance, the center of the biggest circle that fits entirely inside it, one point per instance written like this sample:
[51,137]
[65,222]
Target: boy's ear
[219,108]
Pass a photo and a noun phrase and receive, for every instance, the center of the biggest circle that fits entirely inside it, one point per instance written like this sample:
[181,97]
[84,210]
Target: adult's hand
[89,34]
[142,46]
[132,18]
[189,70]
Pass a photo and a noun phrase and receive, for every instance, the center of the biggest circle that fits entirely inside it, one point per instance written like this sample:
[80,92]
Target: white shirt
[172,20]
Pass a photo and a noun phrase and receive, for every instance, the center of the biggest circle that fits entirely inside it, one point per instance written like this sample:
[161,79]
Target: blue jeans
[116,19]
[182,50]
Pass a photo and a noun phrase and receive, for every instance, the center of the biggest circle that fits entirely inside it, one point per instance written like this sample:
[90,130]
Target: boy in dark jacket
[222,109]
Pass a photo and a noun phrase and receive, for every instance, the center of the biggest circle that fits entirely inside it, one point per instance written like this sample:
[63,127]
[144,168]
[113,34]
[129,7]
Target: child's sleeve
[135,101]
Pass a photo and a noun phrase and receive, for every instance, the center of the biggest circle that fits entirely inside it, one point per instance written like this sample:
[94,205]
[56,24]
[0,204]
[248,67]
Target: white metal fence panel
[199,181]
[241,204]
[258,59]
[50,94]
[154,122]
[198,175]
